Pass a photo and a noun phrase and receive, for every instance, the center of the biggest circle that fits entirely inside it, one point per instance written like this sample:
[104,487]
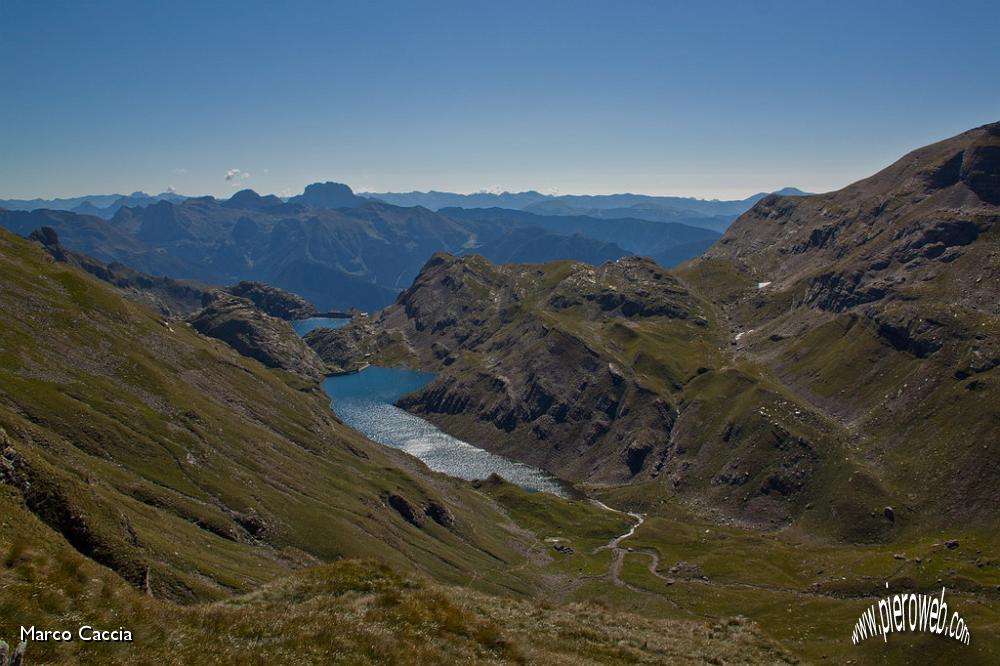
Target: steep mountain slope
[86,234]
[879,302]
[191,470]
[173,298]
[612,374]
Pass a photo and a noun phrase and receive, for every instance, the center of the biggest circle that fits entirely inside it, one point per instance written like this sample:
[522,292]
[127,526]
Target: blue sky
[711,99]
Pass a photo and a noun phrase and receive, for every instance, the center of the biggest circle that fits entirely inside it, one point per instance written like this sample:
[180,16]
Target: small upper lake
[303,326]
[364,401]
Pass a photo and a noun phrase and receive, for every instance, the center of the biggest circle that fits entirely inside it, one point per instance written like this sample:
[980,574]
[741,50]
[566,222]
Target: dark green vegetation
[804,414]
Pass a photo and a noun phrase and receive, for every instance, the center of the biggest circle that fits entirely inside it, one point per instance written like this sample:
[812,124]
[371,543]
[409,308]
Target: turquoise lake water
[364,401]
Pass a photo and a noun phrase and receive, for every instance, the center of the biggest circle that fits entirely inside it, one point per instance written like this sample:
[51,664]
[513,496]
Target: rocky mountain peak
[253,333]
[328,195]
[250,200]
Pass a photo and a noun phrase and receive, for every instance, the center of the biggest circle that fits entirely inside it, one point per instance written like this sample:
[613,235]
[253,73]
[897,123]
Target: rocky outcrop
[345,349]
[629,287]
[174,297]
[253,333]
[273,300]
[416,514]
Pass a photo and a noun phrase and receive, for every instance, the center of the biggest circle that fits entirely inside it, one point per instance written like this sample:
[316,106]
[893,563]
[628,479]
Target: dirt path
[618,561]
[614,543]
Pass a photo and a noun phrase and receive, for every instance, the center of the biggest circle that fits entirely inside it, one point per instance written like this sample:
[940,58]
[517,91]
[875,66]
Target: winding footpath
[613,544]
[619,553]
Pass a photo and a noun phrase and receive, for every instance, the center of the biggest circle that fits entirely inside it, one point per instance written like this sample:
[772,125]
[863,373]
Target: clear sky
[711,99]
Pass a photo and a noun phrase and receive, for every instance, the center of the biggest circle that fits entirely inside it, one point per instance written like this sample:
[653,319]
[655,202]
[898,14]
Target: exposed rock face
[345,349]
[527,377]
[272,341]
[274,301]
[880,237]
[416,515]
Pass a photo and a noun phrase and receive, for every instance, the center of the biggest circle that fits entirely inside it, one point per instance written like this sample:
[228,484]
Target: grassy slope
[351,611]
[153,447]
[851,274]
[804,591]
[168,458]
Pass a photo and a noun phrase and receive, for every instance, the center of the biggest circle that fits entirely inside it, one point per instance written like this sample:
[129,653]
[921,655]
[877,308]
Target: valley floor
[804,593]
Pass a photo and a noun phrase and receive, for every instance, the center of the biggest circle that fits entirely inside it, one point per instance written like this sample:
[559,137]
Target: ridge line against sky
[715,100]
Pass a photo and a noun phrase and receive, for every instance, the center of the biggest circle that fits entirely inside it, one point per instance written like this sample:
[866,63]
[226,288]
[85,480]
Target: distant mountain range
[335,248]
[101,205]
[708,213]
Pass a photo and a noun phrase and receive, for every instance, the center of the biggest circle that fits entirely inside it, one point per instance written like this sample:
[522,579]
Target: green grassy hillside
[156,480]
[171,459]
[350,611]
[877,304]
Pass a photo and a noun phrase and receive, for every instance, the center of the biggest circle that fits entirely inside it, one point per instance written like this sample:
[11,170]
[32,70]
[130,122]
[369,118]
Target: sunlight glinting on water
[364,402]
